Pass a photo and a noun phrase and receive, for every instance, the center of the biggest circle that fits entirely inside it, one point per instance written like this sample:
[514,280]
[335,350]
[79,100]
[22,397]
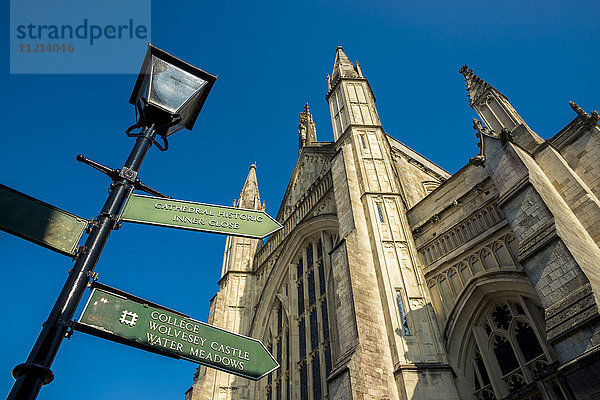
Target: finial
[475,85]
[253,165]
[464,70]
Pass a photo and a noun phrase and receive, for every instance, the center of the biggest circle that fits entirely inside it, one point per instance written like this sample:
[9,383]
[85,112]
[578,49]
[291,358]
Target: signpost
[167,98]
[198,216]
[121,317]
[39,222]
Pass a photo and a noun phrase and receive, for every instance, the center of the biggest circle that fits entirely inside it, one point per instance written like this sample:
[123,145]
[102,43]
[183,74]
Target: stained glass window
[279,318]
[325,319]
[402,312]
[300,298]
[302,337]
[511,355]
[303,381]
[314,332]
[528,343]
[321,278]
[327,359]
[316,375]
[311,288]
[380,213]
[317,332]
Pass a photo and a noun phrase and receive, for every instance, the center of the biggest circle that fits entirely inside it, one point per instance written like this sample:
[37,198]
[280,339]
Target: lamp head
[172,92]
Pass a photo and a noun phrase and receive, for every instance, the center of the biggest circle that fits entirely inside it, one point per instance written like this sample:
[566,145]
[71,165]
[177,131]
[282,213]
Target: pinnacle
[249,197]
[475,85]
[307,131]
[342,65]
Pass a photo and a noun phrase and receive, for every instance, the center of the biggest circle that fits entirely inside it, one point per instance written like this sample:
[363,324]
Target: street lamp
[168,96]
[169,92]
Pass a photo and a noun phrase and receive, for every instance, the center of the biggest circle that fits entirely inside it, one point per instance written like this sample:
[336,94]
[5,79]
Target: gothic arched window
[314,350]
[278,382]
[509,352]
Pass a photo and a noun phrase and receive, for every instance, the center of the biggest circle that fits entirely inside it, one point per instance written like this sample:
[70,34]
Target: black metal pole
[31,375]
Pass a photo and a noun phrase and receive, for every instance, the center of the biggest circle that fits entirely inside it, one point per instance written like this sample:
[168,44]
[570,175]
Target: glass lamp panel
[172,87]
[188,108]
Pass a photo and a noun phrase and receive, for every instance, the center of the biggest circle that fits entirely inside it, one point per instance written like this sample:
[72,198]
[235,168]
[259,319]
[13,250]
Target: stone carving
[460,233]
[578,109]
[452,278]
[590,119]
[505,136]
[482,131]
[307,131]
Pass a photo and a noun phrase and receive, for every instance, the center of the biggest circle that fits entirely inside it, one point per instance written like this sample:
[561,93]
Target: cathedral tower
[231,307]
[396,349]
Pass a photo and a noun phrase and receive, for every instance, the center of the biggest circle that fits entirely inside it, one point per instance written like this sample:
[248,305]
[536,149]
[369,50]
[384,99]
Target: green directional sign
[198,216]
[39,222]
[121,317]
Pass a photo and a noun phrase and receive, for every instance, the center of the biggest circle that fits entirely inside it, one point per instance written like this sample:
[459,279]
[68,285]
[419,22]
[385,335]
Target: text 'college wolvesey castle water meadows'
[118,316]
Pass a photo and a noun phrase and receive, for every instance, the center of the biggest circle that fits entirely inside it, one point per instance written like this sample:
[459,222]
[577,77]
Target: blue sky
[271,58]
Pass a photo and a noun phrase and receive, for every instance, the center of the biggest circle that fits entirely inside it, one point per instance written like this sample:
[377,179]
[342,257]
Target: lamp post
[168,96]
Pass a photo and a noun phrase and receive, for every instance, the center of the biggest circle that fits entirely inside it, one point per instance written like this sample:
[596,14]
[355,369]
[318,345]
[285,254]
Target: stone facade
[392,279]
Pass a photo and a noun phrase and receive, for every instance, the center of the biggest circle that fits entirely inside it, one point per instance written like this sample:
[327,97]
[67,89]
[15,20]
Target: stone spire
[500,120]
[475,85]
[343,66]
[249,197]
[307,131]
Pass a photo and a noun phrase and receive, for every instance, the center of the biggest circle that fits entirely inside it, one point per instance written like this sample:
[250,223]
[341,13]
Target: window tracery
[508,351]
[313,321]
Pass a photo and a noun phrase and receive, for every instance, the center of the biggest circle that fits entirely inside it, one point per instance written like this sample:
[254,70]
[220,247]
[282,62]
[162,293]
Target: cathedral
[393,279]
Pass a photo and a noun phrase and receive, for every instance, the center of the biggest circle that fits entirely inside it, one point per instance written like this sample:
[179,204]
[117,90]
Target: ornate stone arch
[476,264]
[502,254]
[500,348]
[281,287]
